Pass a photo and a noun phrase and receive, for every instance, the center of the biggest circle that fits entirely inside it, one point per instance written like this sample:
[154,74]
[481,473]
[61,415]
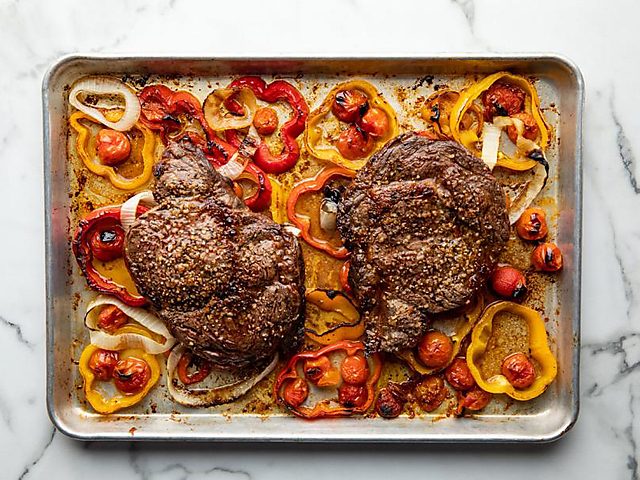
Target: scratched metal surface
[402,82]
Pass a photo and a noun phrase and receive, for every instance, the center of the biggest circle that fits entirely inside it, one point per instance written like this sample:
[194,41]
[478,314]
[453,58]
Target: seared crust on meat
[228,282]
[425,221]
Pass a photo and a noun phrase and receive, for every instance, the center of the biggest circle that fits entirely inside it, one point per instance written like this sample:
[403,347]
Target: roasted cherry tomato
[502,100]
[390,402]
[375,122]
[349,105]
[532,224]
[354,370]
[111,318]
[321,372]
[352,396]
[430,393]
[354,143]
[102,363]
[435,349]
[106,243]
[131,375]
[519,370]
[202,368]
[295,392]
[509,282]
[547,257]
[530,127]
[265,121]
[113,147]
[474,400]
[459,376]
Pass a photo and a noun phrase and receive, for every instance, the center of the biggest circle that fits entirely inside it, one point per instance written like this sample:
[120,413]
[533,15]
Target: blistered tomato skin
[265,121]
[435,349]
[509,283]
[295,392]
[106,244]
[350,105]
[459,376]
[102,363]
[111,318]
[375,122]
[532,224]
[388,405]
[131,375]
[354,370]
[530,127]
[547,257]
[430,393]
[354,143]
[502,100]
[352,396]
[519,370]
[113,147]
[473,400]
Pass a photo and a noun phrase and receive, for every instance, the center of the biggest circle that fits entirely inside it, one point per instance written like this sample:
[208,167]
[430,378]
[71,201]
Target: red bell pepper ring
[261,199]
[277,90]
[159,107]
[324,409]
[84,254]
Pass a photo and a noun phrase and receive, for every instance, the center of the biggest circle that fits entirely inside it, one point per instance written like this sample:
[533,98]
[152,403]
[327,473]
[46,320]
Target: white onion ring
[328,215]
[127,340]
[213,396]
[233,168]
[212,111]
[295,231]
[107,86]
[129,208]
[533,188]
[490,143]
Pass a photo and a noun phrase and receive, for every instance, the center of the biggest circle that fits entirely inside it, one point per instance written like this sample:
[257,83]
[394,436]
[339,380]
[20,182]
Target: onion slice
[238,161]
[214,396]
[130,207]
[533,188]
[490,143]
[127,340]
[328,215]
[107,86]
[213,108]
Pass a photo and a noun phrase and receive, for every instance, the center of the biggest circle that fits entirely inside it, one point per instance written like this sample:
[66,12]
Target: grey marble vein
[469,10]
[626,281]
[624,149]
[632,464]
[16,328]
[28,468]
[613,347]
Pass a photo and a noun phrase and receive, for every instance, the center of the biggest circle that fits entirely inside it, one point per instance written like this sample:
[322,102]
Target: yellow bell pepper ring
[313,132]
[474,91]
[94,165]
[109,405]
[538,347]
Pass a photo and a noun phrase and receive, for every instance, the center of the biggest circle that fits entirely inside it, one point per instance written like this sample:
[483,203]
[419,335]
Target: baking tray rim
[559,59]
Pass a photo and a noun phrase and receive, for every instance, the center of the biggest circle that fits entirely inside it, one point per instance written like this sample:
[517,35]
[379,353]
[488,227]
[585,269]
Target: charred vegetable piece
[102,363]
[260,200]
[113,147]
[107,218]
[202,368]
[435,349]
[538,350]
[338,303]
[459,376]
[375,122]
[547,257]
[509,282]
[350,105]
[295,392]
[473,400]
[327,407]
[111,318]
[321,372]
[352,396]
[315,184]
[530,127]
[502,100]
[532,224]
[265,121]
[355,143]
[430,392]
[106,243]
[131,375]
[354,370]
[391,401]
[518,370]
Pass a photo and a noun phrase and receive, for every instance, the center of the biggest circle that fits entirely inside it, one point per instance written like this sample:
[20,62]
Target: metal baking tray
[560,85]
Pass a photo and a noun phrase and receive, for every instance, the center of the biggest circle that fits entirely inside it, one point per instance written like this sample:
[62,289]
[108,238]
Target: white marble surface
[602,37]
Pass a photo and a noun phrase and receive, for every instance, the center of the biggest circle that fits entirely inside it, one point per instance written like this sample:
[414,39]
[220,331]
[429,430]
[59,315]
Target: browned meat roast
[425,221]
[229,283]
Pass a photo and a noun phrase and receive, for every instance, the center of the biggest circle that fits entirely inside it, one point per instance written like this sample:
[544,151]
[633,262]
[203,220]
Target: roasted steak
[229,283]
[425,221]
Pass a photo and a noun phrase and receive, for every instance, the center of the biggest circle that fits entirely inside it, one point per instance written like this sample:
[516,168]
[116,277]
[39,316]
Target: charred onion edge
[213,396]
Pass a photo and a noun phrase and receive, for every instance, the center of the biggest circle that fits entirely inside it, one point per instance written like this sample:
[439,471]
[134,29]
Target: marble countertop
[602,38]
